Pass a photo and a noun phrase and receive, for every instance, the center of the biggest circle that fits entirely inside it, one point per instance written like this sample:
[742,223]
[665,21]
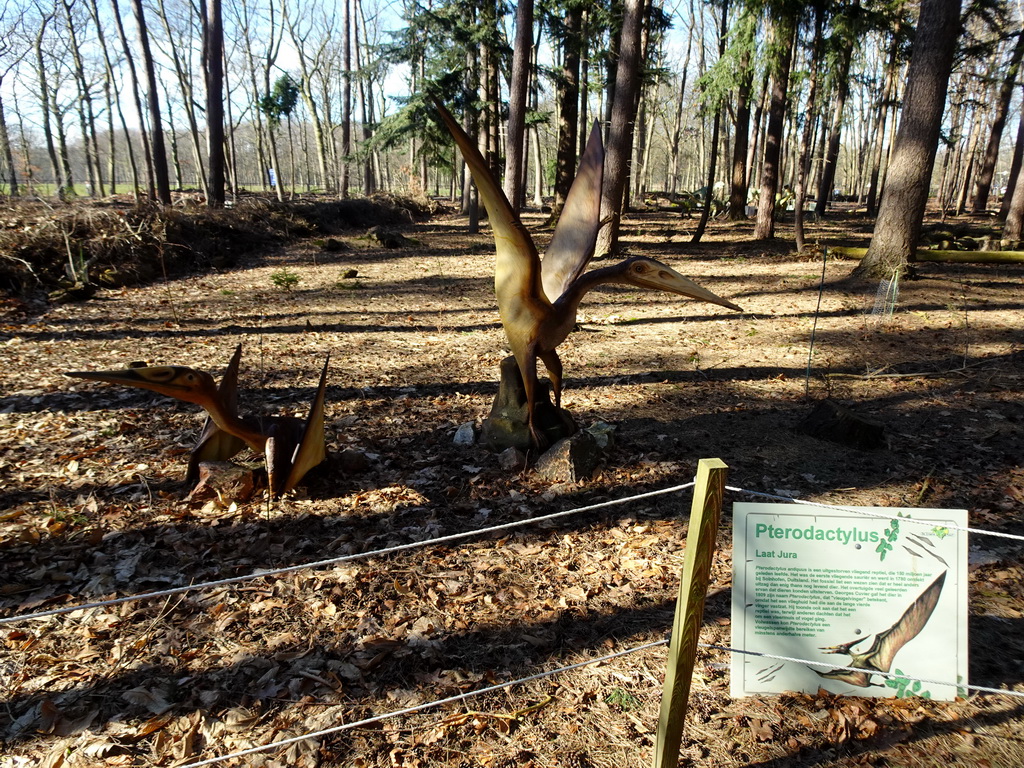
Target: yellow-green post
[705,514]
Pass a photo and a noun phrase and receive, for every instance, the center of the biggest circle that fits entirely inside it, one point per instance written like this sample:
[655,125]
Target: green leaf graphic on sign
[890,535]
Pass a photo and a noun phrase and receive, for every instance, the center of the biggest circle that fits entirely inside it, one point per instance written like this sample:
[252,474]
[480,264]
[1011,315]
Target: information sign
[884,591]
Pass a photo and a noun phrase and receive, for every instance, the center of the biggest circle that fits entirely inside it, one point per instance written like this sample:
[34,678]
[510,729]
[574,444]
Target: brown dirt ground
[90,481]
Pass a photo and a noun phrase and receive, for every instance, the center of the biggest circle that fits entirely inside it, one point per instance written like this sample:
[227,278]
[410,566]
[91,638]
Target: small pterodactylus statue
[292,446]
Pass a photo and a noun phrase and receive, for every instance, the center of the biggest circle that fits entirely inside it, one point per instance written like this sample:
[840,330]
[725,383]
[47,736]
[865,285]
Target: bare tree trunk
[86,116]
[828,170]
[1002,108]
[675,141]
[568,94]
[112,100]
[365,106]
[7,154]
[163,180]
[620,132]
[44,104]
[1013,227]
[538,158]
[213,50]
[803,164]
[709,188]
[521,55]
[137,100]
[969,154]
[738,187]
[900,216]
[764,228]
[581,134]
[186,79]
[888,86]
[1015,166]
[346,96]
[756,150]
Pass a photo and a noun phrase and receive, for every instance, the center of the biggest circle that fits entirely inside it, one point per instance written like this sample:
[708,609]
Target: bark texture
[898,226]
[620,132]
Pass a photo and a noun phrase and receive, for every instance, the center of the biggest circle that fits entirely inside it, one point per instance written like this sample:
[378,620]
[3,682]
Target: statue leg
[528,369]
[554,366]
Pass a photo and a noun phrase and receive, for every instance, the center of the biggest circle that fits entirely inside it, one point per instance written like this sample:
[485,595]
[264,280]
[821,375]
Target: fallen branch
[961,257]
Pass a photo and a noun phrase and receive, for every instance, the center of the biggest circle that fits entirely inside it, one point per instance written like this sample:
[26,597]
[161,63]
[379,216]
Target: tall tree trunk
[86,115]
[521,55]
[147,150]
[538,158]
[888,87]
[756,146]
[901,213]
[186,78]
[995,137]
[111,97]
[785,32]
[60,182]
[568,94]
[213,54]
[803,163]
[1015,165]
[346,97]
[365,103]
[969,153]
[738,186]
[1013,226]
[620,133]
[581,134]
[163,180]
[709,189]
[7,154]
[828,170]
[675,142]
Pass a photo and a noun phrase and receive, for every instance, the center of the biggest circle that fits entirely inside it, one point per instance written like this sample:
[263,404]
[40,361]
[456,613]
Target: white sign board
[872,594]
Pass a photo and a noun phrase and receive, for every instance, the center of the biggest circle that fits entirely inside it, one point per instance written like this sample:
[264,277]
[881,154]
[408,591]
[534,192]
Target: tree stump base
[507,426]
[833,422]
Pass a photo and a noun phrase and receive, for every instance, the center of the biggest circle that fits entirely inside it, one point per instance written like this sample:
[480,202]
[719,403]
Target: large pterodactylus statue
[291,446]
[537,301]
[879,656]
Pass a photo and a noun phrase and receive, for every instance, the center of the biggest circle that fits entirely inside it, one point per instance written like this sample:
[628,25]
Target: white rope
[930,523]
[891,675]
[340,559]
[419,707]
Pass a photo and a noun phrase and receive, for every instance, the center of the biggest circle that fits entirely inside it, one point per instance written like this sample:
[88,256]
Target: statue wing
[311,449]
[572,244]
[512,242]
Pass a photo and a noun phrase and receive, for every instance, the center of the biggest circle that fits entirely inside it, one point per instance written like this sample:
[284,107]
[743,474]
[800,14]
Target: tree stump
[831,421]
[507,426]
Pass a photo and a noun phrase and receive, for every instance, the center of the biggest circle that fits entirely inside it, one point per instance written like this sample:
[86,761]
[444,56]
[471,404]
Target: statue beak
[667,279]
[157,379]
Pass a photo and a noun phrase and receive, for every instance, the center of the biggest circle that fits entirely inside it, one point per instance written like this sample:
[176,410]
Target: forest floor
[93,507]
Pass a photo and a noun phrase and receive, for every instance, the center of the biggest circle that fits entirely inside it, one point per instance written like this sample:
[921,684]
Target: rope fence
[462,535]
[461,697]
[261,574]
[421,707]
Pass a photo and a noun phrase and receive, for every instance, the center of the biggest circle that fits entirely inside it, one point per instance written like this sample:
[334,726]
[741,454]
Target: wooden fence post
[705,513]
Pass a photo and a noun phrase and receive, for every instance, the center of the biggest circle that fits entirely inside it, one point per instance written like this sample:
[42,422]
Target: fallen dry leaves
[90,478]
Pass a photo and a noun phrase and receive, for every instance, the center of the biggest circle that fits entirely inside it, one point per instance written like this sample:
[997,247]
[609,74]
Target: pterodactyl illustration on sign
[879,656]
[537,301]
[291,446]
